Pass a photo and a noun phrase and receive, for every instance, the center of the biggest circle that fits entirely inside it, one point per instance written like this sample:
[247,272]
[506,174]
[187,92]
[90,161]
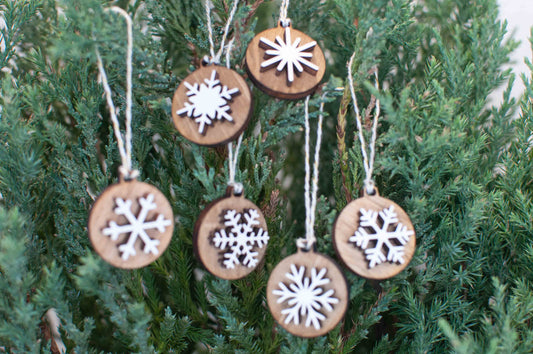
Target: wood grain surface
[102,212]
[352,256]
[337,282]
[275,83]
[221,131]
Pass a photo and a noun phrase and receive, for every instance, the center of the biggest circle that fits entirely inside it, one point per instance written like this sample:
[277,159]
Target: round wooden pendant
[131,224]
[285,63]
[374,237]
[231,237]
[212,106]
[307,294]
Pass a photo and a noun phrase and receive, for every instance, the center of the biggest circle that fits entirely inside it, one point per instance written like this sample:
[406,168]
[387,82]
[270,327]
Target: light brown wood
[337,283]
[346,224]
[103,213]
[212,221]
[221,131]
[274,82]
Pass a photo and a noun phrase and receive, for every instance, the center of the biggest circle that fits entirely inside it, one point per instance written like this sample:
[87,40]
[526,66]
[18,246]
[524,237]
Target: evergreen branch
[341,143]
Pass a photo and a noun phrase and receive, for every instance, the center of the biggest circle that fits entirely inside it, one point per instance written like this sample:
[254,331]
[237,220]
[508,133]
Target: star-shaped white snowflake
[239,238]
[136,227]
[208,101]
[288,54]
[381,236]
[305,297]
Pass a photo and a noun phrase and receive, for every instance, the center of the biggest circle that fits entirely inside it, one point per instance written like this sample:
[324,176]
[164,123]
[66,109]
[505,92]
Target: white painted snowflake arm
[226,94]
[314,317]
[212,82]
[359,239]
[369,218]
[252,217]
[188,110]
[231,259]
[222,113]
[303,49]
[284,293]
[123,206]
[160,223]
[202,121]
[318,279]
[296,275]
[293,314]
[270,44]
[261,238]
[326,300]
[272,61]
[114,230]
[232,218]
[193,89]
[375,255]
[395,254]
[388,216]
[150,245]
[127,249]
[146,204]
[403,233]
[221,239]
[250,259]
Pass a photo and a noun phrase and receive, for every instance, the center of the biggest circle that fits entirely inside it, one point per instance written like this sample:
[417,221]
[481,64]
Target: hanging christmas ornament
[213,105]
[230,236]
[131,223]
[372,235]
[307,293]
[284,62]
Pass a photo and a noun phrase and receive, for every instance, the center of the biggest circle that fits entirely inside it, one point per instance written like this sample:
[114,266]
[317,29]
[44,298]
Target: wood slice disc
[130,224]
[212,106]
[231,237]
[285,63]
[374,237]
[307,294]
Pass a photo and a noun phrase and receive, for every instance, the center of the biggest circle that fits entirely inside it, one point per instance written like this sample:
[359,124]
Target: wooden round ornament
[230,236]
[374,237]
[130,224]
[212,106]
[307,294]
[285,63]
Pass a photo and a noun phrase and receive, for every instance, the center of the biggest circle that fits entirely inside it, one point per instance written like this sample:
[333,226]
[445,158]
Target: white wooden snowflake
[136,227]
[381,236]
[288,54]
[305,296]
[208,101]
[239,238]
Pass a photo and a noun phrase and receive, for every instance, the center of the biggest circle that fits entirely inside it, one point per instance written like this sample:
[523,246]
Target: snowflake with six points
[381,236]
[208,102]
[239,238]
[305,296]
[136,227]
[288,54]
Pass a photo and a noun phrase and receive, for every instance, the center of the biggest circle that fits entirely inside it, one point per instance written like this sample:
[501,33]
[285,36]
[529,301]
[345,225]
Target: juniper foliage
[460,166]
